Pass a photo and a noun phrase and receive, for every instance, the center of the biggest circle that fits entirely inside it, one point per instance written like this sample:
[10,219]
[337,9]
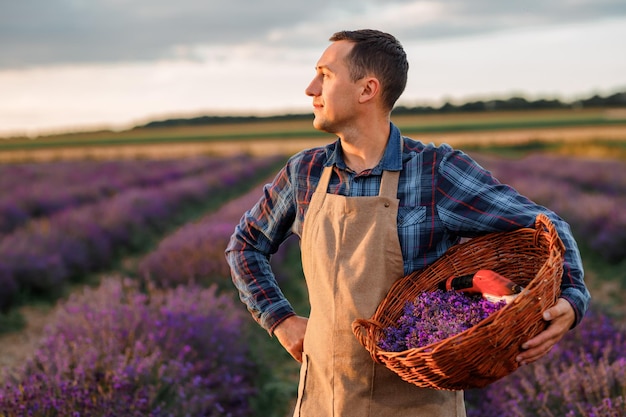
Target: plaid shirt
[444,195]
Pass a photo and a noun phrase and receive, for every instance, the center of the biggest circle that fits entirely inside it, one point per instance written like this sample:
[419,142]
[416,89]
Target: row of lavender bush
[604,176]
[584,375]
[195,252]
[179,351]
[118,351]
[589,194]
[48,252]
[31,190]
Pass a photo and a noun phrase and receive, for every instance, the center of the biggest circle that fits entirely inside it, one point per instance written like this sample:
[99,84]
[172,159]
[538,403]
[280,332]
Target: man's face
[334,94]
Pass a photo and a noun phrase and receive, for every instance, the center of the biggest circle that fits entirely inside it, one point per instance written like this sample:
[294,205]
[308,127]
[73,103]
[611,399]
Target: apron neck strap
[389,184]
[322,185]
[389,181]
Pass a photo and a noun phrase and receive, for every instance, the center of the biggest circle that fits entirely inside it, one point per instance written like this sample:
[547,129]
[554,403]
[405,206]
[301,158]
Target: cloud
[68,64]
[42,32]
[36,32]
[569,61]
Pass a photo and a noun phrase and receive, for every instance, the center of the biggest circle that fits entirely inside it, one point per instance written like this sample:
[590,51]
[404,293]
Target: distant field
[271,136]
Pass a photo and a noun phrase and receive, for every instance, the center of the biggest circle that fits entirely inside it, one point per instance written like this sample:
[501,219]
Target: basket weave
[532,258]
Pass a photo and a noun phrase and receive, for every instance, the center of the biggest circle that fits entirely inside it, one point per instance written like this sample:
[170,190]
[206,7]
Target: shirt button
[386,204]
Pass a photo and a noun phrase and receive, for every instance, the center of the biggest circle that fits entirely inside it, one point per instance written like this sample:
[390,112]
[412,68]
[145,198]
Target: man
[370,208]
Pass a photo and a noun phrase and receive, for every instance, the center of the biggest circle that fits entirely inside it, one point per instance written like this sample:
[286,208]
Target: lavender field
[47,249]
[170,338]
[33,190]
[585,374]
[119,351]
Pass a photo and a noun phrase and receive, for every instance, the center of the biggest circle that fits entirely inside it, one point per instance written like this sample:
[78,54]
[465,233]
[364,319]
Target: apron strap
[322,185]
[389,181]
[389,184]
[319,195]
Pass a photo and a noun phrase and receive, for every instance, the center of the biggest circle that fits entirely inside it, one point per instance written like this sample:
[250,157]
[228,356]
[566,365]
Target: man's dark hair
[379,54]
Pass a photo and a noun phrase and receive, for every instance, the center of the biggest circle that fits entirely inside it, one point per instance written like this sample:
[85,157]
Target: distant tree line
[513,103]
[519,103]
[215,120]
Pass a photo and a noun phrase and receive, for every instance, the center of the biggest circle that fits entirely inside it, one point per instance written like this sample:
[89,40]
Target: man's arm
[487,206]
[473,202]
[257,236]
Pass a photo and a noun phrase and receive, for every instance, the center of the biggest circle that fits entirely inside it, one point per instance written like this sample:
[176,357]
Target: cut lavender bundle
[434,316]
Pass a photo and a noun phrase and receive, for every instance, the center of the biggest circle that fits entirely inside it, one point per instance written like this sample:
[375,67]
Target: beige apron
[351,255]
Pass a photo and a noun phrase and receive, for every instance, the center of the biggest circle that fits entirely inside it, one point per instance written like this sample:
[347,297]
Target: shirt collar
[391,161]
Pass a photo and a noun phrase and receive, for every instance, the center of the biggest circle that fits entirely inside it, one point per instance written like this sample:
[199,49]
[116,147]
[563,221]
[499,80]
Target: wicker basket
[486,352]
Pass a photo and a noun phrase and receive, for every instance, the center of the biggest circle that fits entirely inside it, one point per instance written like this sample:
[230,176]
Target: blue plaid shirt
[444,195]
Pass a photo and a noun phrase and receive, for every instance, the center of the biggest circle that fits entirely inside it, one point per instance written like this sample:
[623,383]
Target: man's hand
[290,334]
[561,318]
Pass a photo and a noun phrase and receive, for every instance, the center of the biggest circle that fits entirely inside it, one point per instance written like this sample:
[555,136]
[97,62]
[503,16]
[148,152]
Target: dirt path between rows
[17,347]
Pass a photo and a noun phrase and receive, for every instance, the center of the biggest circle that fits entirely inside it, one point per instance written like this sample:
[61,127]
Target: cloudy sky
[85,64]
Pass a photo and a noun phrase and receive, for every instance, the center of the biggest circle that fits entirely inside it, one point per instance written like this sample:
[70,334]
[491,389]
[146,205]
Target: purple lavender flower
[41,189]
[584,375]
[50,251]
[117,351]
[436,316]
[195,252]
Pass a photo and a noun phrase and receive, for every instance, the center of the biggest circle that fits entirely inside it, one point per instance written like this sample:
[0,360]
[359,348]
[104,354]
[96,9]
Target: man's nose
[313,89]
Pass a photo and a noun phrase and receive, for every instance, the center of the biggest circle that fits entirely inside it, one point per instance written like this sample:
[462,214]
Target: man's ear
[370,89]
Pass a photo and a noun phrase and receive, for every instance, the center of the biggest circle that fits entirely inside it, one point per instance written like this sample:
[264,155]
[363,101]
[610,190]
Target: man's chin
[321,125]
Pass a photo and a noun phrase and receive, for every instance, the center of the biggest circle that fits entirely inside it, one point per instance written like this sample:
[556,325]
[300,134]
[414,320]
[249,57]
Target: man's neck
[364,148]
